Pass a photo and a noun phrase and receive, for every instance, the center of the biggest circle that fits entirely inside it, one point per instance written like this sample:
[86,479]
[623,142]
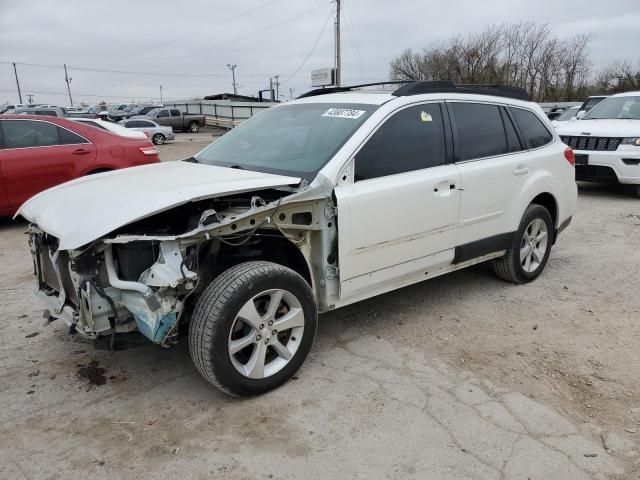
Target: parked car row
[37,153]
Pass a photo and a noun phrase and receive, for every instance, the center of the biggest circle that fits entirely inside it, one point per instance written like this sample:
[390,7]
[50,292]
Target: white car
[157,133]
[567,116]
[606,141]
[310,206]
[111,127]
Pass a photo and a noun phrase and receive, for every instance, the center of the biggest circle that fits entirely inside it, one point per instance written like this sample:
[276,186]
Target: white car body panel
[112,127]
[88,208]
[619,128]
[383,224]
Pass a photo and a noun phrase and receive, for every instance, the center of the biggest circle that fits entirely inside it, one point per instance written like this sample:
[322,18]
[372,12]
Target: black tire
[194,127]
[158,139]
[509,267]
[636,190]
[216,311]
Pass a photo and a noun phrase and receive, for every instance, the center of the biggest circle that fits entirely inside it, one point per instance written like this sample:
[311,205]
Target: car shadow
[612,190]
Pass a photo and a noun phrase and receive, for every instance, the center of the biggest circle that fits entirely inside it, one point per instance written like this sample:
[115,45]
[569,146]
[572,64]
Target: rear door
[37,155]
[177,122]
[398,218]
[494,166]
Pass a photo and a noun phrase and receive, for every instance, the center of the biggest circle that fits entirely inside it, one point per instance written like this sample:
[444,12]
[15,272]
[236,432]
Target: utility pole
[15,70]
[277,84]
[160,93]
[68,80]
[233,75]
[30,98]
[291,93]
[271,88]
[337,41]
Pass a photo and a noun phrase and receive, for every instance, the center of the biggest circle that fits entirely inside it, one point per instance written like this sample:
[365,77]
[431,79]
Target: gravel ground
[462,376]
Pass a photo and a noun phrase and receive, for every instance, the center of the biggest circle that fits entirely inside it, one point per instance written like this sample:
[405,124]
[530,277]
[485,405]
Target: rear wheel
[530,249]
[252,328]
[194,127]
[158,139]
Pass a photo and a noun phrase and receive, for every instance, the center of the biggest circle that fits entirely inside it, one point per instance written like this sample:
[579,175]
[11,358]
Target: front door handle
[521,171]
[81,151]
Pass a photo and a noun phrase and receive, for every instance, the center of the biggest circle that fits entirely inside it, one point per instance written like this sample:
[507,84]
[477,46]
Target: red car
[39,152]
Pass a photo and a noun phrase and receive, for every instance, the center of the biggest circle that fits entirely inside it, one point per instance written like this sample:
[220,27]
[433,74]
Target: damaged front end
[146,275]
[107,289]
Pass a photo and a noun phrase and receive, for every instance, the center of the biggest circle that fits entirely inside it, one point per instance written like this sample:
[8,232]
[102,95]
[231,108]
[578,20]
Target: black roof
[433,86]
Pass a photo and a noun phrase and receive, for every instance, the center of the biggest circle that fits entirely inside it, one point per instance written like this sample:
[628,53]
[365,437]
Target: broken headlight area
[108,289]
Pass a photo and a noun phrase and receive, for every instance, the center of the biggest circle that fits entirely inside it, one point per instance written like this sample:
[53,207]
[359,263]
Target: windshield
[568,114]
[295,140]
[616,108]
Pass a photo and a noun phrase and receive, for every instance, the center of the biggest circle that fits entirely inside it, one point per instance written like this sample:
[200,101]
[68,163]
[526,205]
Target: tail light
[150,150]
[568,154]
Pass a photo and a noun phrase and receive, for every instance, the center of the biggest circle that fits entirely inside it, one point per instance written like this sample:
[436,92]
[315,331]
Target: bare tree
[525,54]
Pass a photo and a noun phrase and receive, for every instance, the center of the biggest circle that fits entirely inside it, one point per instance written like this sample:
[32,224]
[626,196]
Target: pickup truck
[172,117]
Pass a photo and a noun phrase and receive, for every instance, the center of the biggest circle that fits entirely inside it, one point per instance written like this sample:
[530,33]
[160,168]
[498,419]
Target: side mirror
[581,114]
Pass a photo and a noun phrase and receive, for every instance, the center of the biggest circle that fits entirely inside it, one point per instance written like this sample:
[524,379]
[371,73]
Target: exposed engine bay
[145,275]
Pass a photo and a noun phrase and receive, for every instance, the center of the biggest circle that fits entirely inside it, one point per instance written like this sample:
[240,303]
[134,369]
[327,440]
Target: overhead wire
[313,47]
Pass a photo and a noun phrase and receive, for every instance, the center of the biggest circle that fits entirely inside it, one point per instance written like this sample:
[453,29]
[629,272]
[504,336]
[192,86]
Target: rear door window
[531,127]
[175,113]
[67,137]
[29,133]
[412,139]
[480,131]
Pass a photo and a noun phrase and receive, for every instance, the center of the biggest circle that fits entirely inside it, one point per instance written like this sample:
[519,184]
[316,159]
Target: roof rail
[415,87]
[446,86]
[325,91]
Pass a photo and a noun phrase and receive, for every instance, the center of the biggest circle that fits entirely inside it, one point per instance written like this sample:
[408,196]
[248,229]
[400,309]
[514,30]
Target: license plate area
[582,159]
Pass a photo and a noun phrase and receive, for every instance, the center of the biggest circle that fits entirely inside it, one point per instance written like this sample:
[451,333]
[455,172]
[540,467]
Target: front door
[399,216]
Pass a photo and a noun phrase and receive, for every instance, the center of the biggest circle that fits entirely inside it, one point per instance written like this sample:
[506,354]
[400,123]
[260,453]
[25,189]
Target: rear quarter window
[534,132]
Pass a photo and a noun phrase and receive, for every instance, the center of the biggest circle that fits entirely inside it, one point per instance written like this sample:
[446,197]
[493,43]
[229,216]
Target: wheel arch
[267,245]
[548,201]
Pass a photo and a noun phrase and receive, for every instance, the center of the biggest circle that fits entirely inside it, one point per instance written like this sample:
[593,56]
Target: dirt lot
[463,376]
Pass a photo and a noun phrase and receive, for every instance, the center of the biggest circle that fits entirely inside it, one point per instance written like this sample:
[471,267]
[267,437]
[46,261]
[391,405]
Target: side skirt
[411,279]
[485,246]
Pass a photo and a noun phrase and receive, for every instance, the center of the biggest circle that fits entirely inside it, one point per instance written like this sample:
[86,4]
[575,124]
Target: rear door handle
[521,171]
[81,151]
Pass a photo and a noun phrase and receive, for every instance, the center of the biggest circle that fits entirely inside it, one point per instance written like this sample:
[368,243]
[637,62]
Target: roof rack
[325,91]
[445,86]
[413,87]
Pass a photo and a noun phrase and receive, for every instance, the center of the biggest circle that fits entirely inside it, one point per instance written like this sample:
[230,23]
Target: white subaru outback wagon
[309,206]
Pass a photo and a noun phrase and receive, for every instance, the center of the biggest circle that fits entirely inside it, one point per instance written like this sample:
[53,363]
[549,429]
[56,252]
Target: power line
[207,27]
[129,72]
[315,44]
[353,40]
[242,37]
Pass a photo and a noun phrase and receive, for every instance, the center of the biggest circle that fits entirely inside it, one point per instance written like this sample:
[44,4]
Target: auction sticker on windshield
[344,113]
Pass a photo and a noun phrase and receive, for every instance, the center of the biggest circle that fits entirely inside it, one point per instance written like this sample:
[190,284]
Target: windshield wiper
[237,167]
[191,160]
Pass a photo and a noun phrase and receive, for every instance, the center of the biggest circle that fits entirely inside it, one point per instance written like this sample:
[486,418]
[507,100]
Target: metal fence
[221,113]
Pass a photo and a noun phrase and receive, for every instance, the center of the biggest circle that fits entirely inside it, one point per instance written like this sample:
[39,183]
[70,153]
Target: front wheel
[194,127]
[158,139]
[252,328]
[530,249]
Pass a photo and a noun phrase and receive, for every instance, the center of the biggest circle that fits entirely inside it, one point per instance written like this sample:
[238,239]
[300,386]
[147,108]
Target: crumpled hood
[600,128]
[85,209]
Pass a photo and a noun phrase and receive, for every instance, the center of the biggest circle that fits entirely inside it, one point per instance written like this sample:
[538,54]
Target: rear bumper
[621,165]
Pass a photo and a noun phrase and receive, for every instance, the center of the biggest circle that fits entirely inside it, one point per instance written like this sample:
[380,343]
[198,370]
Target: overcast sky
[185,45]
